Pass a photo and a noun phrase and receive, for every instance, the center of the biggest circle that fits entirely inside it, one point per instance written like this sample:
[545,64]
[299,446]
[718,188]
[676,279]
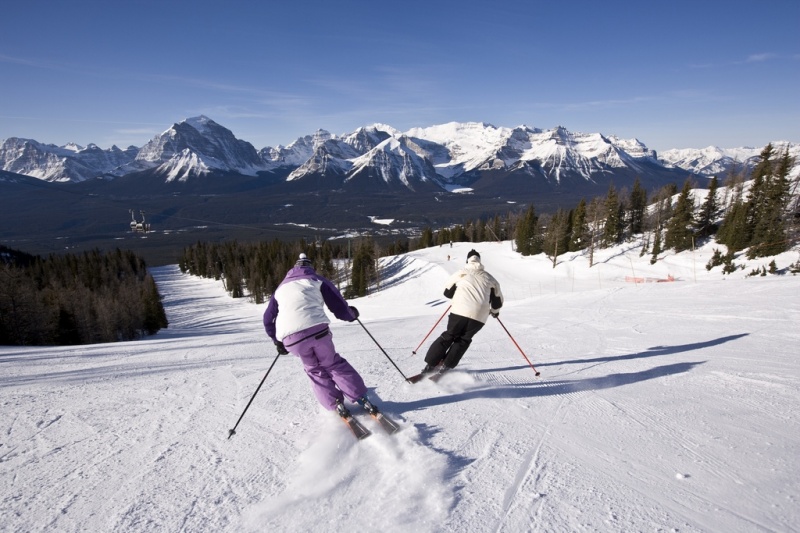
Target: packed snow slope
[660,407]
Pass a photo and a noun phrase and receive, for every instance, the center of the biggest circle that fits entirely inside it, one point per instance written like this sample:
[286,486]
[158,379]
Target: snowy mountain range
[444,157]
[714,161]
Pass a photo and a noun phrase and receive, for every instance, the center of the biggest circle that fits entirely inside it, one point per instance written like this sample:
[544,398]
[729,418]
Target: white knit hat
[303,261]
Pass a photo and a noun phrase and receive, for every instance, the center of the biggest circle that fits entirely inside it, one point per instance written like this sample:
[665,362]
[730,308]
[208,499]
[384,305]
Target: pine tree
[579,234]
[612,231]
[426,239]
[327,267]
[792,212]
[595,214]
[496,229]
[363,269]
[459,235]
[757,205]
[705,224]
[442,236]
[638,205]
[679,234]
[662,206]
[770,231]
[656,245]
[733,232]
[526,232]
[480,231]
[154,317]
[557,235]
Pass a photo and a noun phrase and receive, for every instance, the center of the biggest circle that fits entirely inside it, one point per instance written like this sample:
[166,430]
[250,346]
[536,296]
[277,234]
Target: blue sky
[677,74]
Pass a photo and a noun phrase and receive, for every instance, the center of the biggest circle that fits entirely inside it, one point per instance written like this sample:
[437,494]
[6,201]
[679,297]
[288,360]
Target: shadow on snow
[545,388]
[650,352]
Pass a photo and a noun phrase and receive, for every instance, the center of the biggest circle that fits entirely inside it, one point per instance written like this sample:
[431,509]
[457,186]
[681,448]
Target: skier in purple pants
[296,322]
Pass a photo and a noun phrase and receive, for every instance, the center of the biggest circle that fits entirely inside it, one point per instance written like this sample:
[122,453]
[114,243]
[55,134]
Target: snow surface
[660,407]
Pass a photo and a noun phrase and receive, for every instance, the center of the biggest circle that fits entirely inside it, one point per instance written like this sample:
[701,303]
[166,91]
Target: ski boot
[359,431]
[368,405]
[438,368]
[342,411]
[439,372]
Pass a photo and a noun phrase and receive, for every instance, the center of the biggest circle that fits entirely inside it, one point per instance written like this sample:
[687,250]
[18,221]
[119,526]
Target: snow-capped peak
[201,123]
[214,148]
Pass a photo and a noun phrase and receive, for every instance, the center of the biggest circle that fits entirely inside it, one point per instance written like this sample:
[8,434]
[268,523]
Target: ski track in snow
[667,407]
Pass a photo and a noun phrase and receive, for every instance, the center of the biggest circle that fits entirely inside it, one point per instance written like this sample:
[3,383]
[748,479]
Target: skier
[296,322]
[476,295]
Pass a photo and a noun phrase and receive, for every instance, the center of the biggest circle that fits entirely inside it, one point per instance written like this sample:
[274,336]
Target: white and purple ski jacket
[298,304]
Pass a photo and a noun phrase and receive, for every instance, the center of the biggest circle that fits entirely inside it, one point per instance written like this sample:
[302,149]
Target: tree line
[74,299]
[254,270]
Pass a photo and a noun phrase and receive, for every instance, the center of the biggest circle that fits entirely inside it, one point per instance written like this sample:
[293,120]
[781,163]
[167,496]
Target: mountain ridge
[455,153]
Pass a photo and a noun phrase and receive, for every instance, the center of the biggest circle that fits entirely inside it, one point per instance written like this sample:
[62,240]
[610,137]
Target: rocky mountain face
[71,163]
[195,147]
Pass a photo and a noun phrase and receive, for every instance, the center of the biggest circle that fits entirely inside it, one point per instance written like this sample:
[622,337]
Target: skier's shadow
[650,352]
[544,388]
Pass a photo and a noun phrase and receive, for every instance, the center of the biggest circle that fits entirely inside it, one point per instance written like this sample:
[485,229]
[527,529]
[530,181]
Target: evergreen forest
[74,299]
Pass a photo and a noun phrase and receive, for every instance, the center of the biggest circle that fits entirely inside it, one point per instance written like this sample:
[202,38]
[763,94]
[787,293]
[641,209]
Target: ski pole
[414,352]
[384,351]
[232,432]
[518,348]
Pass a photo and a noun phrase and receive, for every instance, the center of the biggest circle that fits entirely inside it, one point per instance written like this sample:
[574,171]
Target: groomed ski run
[661,407]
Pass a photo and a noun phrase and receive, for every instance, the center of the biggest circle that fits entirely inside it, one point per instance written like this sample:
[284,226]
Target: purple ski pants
[332,377]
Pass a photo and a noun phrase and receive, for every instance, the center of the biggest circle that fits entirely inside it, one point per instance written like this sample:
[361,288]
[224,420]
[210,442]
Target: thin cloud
[48,65]
[135,131]
[752,58]
[263,95]
[229,112]
[386,84]
[18,60]
[80,121]
[758,58]
[605,104]
[205,84]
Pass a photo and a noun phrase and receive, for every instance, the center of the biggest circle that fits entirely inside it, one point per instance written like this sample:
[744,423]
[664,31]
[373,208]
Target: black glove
[281,348]
[354,311]
[494,313]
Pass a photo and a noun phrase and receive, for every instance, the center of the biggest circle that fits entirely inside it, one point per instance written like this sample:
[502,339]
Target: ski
[388,425]
[438,375]
[419,377]
[357,428]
